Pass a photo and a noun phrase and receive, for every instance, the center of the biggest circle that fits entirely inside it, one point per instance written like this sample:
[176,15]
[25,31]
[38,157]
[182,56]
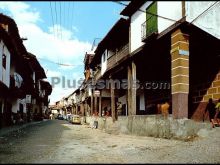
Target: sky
[61,32]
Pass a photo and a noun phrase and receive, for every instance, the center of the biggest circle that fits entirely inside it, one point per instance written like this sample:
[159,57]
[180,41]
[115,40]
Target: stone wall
[152,125]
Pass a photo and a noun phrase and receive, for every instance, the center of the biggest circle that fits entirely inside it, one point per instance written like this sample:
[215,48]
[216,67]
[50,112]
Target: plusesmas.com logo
[111,83]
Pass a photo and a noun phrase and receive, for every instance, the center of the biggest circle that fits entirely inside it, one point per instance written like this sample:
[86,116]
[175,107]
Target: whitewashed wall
[16,103]
[110,53]
[142,102]
[104,62]
[137,19]
[123,99]
[172,10]
[5,73]
[209,21]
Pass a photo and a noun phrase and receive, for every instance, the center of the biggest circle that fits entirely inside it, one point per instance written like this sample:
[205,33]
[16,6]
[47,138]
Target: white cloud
[20,12]
[59,93]
[46,45]
[51,73]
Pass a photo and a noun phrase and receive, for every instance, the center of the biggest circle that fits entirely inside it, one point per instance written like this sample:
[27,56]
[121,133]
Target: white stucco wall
[15,106]
[5,73]
[142,102]
[104,62]
[122,99]
[137,19]
[209,21]
[110,53]
[16,103]
[169,9]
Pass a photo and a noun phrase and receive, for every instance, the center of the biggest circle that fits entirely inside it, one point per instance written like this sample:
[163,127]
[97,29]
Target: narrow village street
[57,141]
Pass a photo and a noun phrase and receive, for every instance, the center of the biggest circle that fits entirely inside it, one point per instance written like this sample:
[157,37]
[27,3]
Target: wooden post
[100,105]
[91,108]
[113,100]
[95,107]
[86,108]
[134,89]
[129,91]
[83,111]
[76,109]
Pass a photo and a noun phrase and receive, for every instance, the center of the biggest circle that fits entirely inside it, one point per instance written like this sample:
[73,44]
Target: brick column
[179,73]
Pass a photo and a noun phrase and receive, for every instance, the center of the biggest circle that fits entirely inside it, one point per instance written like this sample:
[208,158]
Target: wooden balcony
[117,57]
[149,30]
[97,75]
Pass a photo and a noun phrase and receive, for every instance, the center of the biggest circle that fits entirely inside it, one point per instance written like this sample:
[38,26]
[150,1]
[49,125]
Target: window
[4,61]
[103,57]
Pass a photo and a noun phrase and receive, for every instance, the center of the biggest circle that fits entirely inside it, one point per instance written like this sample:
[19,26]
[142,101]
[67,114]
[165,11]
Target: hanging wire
[52,19]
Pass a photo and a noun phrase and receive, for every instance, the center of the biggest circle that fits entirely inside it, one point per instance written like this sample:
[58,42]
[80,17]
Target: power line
[204,12]
[64,22]
[52,19]
[56,18]
[152,14]
[60,22]
[71,29]
[58,63]
[68,13]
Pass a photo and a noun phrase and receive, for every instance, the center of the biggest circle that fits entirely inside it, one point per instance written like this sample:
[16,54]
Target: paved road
[57,141]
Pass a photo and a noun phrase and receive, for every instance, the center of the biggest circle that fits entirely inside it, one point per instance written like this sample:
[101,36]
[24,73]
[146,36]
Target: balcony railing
[148,29]
[118,56]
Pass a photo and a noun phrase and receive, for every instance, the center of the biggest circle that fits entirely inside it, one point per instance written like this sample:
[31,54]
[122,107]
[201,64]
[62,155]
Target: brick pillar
[179,73]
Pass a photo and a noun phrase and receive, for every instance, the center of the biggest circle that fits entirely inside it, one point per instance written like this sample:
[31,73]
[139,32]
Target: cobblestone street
[57,141]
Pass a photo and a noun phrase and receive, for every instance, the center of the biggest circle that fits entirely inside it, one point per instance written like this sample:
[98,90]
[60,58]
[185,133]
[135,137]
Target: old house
[167,39]
[18,76]
[41,90]
[162,52]
[15,72]
[109,65]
